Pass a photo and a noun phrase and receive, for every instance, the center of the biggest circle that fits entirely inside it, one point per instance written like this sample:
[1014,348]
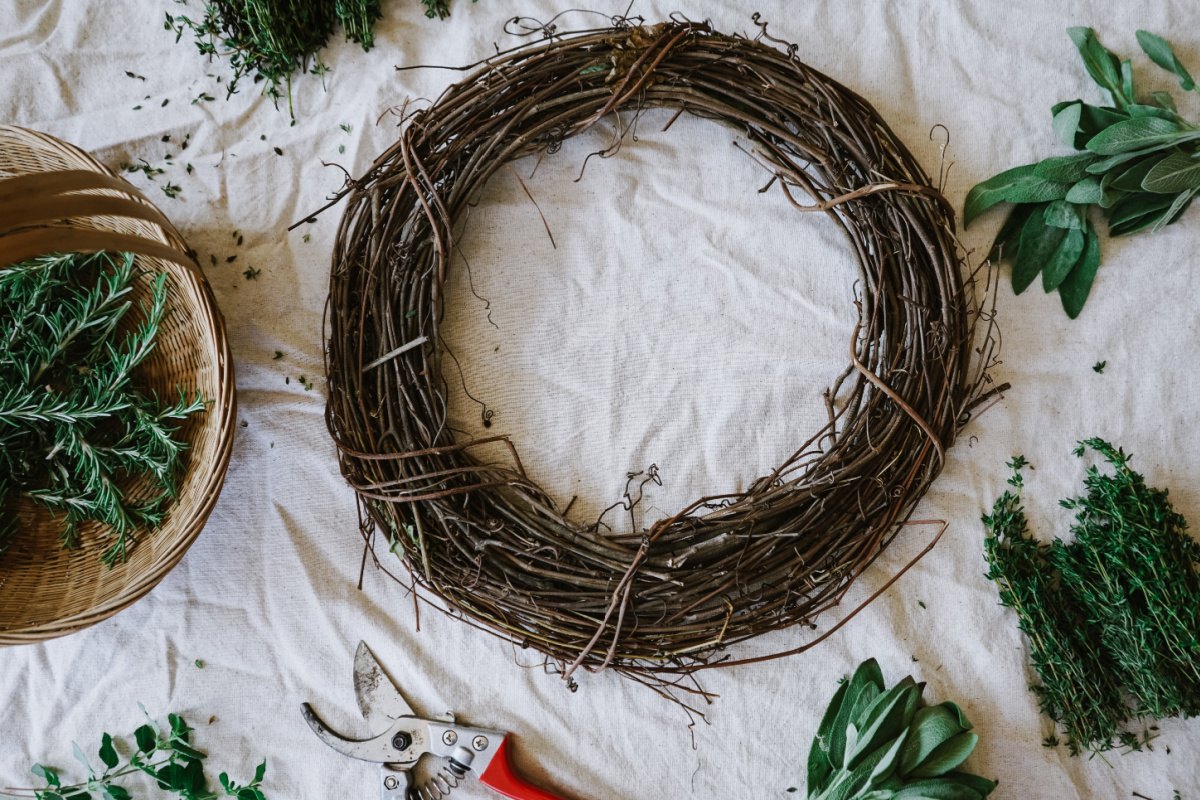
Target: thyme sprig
[165,755]
[1111,618]
[73,423]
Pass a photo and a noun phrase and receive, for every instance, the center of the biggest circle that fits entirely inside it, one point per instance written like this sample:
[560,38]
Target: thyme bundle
[1139,165]
[73,424]
[272,39]
[1111,618]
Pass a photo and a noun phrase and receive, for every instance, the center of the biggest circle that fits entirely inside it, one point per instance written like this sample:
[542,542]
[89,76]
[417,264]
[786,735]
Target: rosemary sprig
[165,755]
[1112,617]
[73,425]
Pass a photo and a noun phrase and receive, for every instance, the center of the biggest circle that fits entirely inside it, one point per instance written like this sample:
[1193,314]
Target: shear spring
[436,786]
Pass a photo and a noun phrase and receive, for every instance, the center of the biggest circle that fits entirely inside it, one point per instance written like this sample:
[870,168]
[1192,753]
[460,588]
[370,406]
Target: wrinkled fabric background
[682,320]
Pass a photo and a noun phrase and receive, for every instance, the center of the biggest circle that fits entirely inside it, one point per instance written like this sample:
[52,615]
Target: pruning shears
[402,738]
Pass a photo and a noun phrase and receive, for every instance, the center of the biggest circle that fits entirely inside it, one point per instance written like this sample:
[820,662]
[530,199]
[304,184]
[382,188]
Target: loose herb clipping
[73,421]
[876,743]
[1112,619]
[1140,164]
[166,756]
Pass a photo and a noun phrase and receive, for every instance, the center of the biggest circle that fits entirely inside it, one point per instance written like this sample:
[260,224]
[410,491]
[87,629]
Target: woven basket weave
[56,198]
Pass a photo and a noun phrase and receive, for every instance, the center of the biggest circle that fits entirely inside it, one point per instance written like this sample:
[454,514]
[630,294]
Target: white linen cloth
[682,320]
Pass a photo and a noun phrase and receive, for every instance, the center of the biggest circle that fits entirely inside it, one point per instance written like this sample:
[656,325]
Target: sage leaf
[1067,169]
[1165,100]
[1102,65]
[1139,223]
[981,785]
[936,790]
[1168,114]
[1066,123]
[819,765]
[882,723]
[1130,178]
[865,685]
[946,756]
[1175,173]
[1064,259]
[1006,243]
[1036,190]
[1137,205]
[986,194]
[108,753]
[1038,243]
[931,726]
[1062,214]
[1133,134]
[1161,54]
[1182,200]
[1086,191]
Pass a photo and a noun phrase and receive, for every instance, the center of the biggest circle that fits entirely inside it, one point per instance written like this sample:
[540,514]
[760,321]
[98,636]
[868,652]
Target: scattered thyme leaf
[412,312]
[278,151]
[138,77]
[1099,367]
[341,148]
[189,169]
[346,128]
[199,664]
[172,190]
[278,355]
[921,603]
[231,259]
[306,237]
[252,274]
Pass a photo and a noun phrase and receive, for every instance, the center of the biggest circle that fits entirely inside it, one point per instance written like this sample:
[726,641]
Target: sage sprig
[875,743]
[1140,166]
[1112,619]
[166,755]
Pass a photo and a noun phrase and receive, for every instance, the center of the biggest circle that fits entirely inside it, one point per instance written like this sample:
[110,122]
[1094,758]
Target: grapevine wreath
[662,602]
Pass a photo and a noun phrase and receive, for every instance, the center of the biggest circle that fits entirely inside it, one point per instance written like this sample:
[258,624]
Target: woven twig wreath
[492,544]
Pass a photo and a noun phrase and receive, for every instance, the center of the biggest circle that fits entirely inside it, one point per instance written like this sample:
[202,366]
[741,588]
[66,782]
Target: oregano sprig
[166,755]
[1139,165]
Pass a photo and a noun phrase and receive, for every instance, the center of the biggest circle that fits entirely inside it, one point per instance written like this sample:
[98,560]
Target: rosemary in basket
[73,423]
[1112,617]
[272,39]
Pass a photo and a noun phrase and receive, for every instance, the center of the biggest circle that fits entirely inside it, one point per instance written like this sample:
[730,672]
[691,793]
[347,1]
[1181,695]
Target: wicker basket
[56,198]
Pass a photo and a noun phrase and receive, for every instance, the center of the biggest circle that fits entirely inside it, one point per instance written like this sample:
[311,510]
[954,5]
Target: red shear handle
[501,776]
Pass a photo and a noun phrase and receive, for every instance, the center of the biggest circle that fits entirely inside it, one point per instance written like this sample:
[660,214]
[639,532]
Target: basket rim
[221,416]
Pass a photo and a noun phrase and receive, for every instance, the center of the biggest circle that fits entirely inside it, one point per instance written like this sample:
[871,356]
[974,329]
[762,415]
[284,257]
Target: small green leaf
[1133,134]
[1064,259]
[1066,122]
[1165,100]
[146,740]
[171,777]
[48,774]
[1067,169]
[1074,289]
[249,793]
[1085,192]
[1039,241]
[1161,54]
[225,784]
[260,771]
[1175,173]
[82,759]
[115,792]
[946,756]
[986,194]
[1037,191]
[108,753]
